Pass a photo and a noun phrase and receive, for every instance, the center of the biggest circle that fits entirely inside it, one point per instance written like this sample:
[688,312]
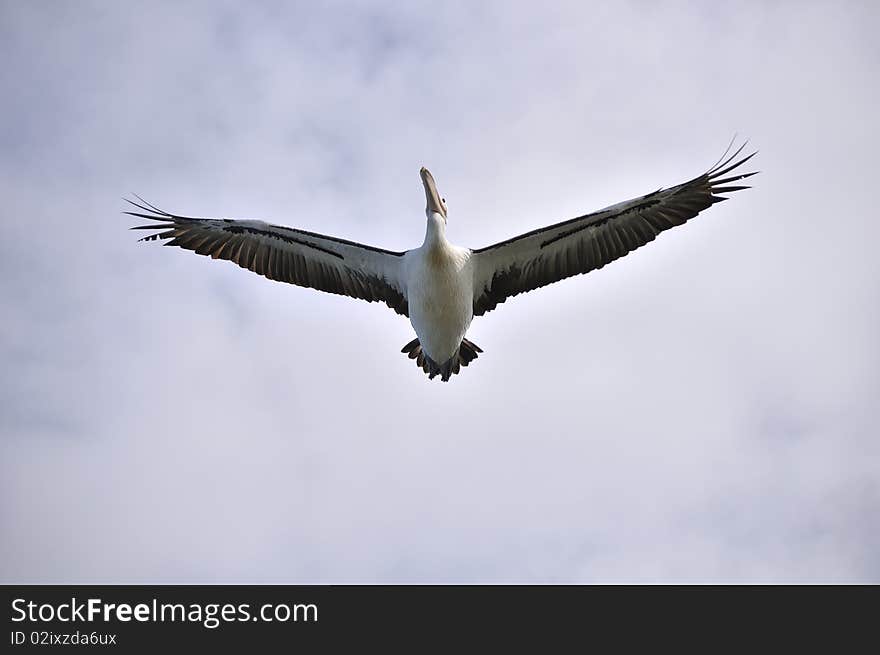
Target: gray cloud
[702,410]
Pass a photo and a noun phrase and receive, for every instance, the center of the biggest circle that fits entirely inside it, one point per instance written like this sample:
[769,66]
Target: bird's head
[436,204]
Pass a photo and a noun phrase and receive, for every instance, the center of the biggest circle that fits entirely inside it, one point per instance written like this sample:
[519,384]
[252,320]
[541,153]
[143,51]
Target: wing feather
[589,242]
[306,259]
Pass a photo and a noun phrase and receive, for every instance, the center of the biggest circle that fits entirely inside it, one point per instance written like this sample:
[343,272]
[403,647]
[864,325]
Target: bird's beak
[435,202]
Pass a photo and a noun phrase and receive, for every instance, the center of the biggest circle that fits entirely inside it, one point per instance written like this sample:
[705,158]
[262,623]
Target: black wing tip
[719,184]
[730,147]
[726,150]
[150,212]
[729,189]
[153,237]
[165,222]
[713,176]
[733,178]
[146,206]
[152,217]
[164,226]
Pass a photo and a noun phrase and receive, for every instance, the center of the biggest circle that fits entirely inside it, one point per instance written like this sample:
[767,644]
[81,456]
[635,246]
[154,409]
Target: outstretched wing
[285,254]
[588,242]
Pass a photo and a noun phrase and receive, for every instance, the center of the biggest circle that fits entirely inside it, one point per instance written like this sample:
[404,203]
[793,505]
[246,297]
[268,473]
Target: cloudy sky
[703,410]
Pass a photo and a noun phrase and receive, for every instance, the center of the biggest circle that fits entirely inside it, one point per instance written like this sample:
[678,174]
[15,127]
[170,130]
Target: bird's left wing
[589,242]
[286,254]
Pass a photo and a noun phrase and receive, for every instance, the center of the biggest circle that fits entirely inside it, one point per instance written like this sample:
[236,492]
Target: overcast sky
[703,410]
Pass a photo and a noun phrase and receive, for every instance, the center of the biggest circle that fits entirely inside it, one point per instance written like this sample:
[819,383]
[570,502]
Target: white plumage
[439,286]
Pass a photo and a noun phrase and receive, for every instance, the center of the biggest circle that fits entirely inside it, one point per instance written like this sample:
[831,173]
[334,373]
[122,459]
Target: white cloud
[699,411]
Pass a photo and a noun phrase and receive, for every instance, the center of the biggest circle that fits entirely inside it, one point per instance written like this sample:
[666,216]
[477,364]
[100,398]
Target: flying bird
[441,287]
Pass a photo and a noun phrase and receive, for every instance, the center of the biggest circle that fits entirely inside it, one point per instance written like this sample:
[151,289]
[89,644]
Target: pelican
[441,287]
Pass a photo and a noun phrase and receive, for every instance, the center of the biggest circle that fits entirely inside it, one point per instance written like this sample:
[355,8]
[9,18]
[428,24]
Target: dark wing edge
[306,259]
[589,242]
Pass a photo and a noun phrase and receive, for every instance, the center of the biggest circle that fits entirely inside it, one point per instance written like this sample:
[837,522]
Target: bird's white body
[440,288]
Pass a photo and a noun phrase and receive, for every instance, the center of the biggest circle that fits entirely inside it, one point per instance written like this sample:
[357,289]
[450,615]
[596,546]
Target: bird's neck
[435,234]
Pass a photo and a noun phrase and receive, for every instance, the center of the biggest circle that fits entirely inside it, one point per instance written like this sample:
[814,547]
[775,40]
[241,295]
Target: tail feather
[467,352]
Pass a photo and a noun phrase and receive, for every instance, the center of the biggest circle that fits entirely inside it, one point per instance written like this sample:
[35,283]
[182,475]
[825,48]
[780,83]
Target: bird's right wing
[588,242]
[286,254]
